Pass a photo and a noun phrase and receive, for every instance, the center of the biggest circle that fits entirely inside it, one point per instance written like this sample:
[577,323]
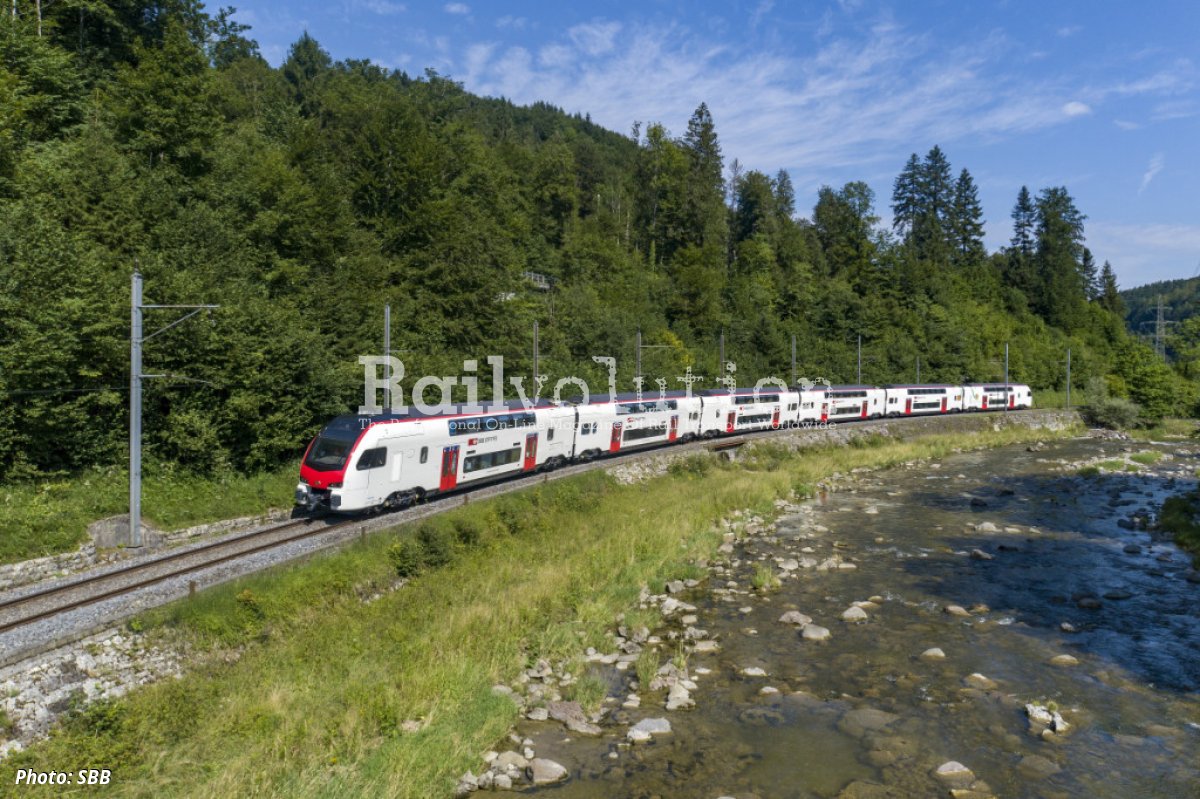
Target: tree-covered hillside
[302,199]
[1180,300]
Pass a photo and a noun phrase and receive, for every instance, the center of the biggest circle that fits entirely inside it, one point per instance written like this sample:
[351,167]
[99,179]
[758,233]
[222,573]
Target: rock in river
[795,617]
[933,653]
[954,774]
[814,632]
[979,682]
[646,729]
[546,772]
[854,615]
[571,714]
[1064,660]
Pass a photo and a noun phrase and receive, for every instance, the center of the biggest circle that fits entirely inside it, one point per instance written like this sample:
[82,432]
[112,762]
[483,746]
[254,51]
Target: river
[1005,561]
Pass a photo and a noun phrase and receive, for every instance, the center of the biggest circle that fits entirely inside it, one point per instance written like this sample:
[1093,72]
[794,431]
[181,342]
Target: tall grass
[301,687]
[45,517]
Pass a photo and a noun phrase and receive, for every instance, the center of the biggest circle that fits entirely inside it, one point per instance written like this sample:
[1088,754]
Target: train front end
[323,470]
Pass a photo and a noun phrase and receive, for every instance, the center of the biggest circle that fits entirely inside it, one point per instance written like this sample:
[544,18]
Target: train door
[943,404]
[449,468]
[908,405]
[531,442]
[673,432]
[615,444]
[984,406]
[775,419]
[864,410]
[1012,400]
[824,412]
[731,422]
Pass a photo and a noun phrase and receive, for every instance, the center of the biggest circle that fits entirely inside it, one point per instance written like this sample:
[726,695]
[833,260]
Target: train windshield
[329,453]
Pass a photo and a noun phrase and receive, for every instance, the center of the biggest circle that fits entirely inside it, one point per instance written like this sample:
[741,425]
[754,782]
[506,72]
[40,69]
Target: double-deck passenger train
[359,463]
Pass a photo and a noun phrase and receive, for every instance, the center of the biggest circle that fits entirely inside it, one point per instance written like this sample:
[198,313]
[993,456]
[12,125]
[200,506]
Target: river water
[863,714]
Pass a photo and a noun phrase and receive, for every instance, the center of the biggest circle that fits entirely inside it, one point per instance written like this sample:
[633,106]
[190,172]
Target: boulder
[979,682]
[854,615]
[795,617]
[646,729]
[572,716]
[546,772]
[814,632]
[954,774]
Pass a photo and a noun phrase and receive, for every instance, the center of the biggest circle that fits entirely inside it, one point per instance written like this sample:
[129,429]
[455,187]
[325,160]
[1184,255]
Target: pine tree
[785,195]
[1110,295]
[1024,216]
[931,228]
[705,216]
[1061,288]
[305,64]
[906,197]
[1089,275]
[966,221]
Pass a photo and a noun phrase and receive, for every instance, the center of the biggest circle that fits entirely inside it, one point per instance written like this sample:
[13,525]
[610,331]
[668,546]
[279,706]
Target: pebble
[956,610]
[933,653]
[753,671]
[1064,660]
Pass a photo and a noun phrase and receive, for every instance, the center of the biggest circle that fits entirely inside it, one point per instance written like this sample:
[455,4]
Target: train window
[372,458]
[424,454]
[550,434]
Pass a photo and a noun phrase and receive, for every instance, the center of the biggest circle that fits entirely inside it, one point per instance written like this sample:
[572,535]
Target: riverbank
[333,677]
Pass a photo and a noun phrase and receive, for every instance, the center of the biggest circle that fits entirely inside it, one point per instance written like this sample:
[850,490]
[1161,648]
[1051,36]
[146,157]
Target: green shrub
[764,578]
[407,557]
[1114,413]
[691,466]
[437,544]
[469,532]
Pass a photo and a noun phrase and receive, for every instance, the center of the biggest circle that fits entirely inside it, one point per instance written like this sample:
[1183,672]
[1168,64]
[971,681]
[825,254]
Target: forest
[302,199]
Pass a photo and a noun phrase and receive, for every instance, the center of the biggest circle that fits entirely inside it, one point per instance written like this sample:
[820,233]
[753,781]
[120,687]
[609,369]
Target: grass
[764,578]
[1166,429]
[1178,516]
[1147,458]
[45,517]
[300,688]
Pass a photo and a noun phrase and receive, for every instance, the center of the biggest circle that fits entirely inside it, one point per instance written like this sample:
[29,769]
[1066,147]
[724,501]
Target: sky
[1100,97]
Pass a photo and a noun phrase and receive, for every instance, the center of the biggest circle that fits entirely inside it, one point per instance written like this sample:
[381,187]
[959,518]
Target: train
[391,460]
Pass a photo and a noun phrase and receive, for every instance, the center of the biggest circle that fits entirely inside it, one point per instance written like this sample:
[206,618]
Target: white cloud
[515,23]
[382,7]
[764,8]
[1142,254]
[1125,124]
[594,38]
[848,101]
[1156,165]
[456,8]
[1068,30]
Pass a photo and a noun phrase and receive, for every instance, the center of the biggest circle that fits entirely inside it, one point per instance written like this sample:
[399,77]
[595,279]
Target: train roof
[725,392]
[923,385]
[849,387]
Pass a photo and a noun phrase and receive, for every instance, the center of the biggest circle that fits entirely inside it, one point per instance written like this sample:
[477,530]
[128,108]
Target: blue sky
[1102,97]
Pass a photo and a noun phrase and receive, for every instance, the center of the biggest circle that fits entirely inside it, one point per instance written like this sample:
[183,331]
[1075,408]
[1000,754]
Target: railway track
[41,605]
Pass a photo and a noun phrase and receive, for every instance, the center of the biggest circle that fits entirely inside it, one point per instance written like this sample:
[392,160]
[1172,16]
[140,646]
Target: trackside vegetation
[51,515]
[304,676]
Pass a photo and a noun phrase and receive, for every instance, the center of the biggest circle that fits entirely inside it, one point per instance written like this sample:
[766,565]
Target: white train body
[363,462]
[996,396]
[919,400]
[855,402]
[747,409]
